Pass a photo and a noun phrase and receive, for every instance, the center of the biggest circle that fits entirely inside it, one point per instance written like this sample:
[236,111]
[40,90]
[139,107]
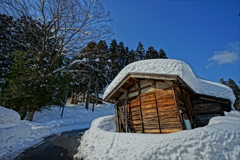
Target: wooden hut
[152,98]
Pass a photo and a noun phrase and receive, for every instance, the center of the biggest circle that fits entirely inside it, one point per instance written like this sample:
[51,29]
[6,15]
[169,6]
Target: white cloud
[229,55]
[224,57]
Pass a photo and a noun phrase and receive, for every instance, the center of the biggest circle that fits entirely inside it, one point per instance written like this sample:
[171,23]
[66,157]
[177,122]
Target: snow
[8,118]
[173,67]
[219,140]
[18,135]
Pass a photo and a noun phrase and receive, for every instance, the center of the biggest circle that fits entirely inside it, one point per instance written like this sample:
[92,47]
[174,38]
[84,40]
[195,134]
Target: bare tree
[73,22]
[53,30]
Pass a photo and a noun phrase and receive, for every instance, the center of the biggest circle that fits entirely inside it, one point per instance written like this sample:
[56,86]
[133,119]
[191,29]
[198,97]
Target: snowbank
[8,118]
[173,67]
[220,139]
[17,135]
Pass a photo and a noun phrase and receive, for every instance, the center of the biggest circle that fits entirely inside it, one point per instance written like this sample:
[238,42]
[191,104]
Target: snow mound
[17,135]
[8,118]
[173,67]
[220,139]
[12,131]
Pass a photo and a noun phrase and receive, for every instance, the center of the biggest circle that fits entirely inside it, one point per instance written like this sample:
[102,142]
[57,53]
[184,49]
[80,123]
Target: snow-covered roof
[173,67]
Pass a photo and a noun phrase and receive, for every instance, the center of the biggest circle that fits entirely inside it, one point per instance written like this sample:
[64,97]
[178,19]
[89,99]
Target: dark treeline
[236,91]
[37,71]
[100,63]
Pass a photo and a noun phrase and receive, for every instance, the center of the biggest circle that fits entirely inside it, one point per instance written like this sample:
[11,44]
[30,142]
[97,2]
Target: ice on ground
[219,140]
[17,135]
[173,67]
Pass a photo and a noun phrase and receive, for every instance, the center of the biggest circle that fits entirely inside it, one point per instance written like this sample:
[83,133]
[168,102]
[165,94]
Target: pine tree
[152,53]
[31,83]
[113,61]
[236,91]
[140,51]
[162,54]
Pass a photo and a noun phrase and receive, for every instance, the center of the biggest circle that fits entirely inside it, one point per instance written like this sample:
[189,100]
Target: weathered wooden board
[151,126]
[166,96]
[164,115]
[149,98]
[148,105]
[207,108]
[133,94]
[167,108]
[171,125]
[135,108]
[160,85]
[170,130]
[144,83]
[163,101]
[135,114]
[162,92]
[151,130]
[169,120]
[133,104]
[204,119]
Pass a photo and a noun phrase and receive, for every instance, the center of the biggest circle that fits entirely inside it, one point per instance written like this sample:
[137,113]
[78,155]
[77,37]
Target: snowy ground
[17,135]
[219,140]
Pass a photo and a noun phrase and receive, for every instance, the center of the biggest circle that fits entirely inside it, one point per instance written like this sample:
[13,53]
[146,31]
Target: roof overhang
[130,78]
[127,80]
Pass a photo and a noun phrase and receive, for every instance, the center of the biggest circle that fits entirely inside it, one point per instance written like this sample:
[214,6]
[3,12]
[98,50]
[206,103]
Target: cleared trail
[60,146]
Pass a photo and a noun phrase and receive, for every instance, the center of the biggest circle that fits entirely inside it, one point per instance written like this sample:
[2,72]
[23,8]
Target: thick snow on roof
[173,67]
[218,140]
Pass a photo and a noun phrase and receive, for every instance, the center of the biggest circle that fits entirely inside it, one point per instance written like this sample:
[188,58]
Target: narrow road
[61,146]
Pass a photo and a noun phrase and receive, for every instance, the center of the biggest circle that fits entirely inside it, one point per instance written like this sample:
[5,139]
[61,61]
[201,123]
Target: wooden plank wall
[205,110]
[152,112]
[144,108]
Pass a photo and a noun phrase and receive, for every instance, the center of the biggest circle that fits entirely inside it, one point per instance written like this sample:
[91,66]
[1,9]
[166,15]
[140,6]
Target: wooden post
[116,117]
[140,105]
[159,125]
[140,109]
[125,114]
[177,104]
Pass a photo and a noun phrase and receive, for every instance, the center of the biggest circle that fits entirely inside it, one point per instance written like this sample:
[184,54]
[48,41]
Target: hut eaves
[168,69]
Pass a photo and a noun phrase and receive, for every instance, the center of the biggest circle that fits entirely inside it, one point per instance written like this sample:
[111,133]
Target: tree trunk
[88,94]
[75,98]
[30,115]
[71,101]
[84,94]
[22,112]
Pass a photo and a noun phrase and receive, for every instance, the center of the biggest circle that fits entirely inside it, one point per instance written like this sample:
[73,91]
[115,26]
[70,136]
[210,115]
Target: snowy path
[59,146]
[17,136]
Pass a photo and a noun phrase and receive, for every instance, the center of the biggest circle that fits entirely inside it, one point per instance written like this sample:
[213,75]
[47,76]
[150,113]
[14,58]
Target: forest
[51,50]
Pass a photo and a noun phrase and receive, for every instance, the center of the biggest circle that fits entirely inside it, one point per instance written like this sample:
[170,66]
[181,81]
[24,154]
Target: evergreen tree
[236,91]
[113,59]
[140,51]
[162,54]
[152,53]
[132,56]
[31,82]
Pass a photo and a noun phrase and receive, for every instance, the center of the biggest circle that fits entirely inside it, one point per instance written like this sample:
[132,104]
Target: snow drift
[17,135]
[220,139]
[173,67]
[8,118]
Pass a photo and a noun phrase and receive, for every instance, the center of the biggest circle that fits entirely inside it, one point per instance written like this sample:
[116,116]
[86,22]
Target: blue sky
[203,33]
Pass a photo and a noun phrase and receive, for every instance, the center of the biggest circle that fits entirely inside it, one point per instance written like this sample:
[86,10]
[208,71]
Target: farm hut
[164,96]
